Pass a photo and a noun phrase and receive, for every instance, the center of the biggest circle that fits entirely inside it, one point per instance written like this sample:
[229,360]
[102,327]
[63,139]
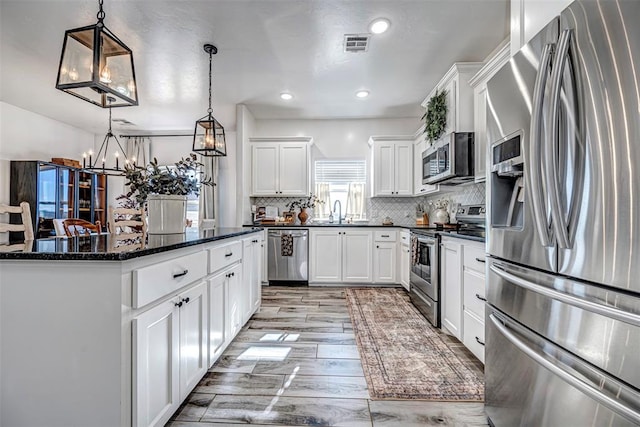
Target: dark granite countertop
[322,224]
[98,247]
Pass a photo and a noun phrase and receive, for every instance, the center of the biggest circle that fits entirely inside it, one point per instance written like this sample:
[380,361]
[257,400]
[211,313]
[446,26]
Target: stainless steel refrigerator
[563,317]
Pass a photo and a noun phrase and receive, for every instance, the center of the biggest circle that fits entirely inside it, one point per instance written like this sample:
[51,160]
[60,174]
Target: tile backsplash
[401,210]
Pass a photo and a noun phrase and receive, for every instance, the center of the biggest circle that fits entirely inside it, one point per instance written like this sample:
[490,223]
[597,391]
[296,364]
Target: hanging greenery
[435,119]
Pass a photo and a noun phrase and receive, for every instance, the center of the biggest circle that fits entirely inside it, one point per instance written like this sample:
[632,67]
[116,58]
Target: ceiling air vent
[356,42]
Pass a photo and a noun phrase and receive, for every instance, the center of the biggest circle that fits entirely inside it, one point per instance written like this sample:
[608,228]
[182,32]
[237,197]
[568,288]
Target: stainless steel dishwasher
[288,265]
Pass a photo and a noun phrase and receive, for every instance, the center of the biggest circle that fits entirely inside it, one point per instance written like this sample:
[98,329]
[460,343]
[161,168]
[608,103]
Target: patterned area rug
[404,357]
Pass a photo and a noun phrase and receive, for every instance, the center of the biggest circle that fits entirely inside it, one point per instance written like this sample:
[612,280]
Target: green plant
[186,178]
[309,202]
[435,118]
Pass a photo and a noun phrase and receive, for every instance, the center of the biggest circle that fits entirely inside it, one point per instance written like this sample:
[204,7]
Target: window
[342,180]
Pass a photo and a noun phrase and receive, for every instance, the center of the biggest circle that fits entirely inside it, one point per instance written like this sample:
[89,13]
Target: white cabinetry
[451,285]
[405,258]
[479,85]
[340,255]
[235,302]
[170,355]
[280,166]
[392,160]
[251,272]
[419,145]
[459,96]
[385,256]
[528,17]
[473,280]
[218,321]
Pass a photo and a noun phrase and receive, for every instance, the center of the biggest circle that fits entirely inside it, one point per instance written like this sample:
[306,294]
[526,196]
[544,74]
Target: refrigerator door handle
[534,162]
[551,163]
[592,306]
[589,386]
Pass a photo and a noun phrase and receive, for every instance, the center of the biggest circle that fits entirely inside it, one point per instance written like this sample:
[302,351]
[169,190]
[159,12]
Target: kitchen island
[94,336]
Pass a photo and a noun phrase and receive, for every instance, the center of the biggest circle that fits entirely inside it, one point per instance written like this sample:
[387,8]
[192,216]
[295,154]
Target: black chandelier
[102,163]
[208,137]
[95,65]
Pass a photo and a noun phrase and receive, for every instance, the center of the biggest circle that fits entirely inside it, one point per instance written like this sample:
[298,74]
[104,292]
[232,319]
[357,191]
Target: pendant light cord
[210,110]
[101,13]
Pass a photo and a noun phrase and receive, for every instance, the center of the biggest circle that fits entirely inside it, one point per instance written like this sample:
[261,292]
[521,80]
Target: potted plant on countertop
[303,204]
[164,190]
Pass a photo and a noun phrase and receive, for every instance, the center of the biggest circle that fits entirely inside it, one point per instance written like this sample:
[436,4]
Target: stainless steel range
[425,274]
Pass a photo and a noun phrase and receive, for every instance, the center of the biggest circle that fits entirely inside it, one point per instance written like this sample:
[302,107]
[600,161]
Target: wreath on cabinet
[435,118]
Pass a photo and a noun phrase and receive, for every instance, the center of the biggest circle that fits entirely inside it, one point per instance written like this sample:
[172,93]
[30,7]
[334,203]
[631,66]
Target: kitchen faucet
[339,211]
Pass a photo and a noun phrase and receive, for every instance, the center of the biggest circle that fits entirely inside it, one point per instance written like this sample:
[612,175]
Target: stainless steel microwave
[449,160]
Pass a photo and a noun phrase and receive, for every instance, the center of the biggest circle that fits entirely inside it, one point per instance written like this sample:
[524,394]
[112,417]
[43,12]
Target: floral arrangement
[309,202]
[153,179]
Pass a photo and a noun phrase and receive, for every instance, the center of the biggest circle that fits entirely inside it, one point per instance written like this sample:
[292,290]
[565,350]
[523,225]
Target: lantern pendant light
[96,65]
[104,160]
[208,137]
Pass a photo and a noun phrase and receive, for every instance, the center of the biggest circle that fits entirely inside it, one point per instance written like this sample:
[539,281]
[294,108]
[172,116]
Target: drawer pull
[184,273]
[384,235]
[185,300]
[178,304]
[478,341]
[228,255]
[480,260]
[481,298]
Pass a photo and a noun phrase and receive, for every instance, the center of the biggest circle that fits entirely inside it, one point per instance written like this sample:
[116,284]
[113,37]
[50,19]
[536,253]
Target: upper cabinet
[479,85]
[280,166]
[419,145]
[528,17]
[392,165]
[455,82]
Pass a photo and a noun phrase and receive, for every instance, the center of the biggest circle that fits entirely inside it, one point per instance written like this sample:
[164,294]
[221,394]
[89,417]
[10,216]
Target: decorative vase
[440,216]
[303,216]
[167,214]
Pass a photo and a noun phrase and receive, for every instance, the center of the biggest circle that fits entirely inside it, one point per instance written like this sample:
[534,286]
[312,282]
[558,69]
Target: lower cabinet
[238,296]
[384,262]
[218,309]
[451,285]
[340,256]
[405,265]
[251,273]
[170,354]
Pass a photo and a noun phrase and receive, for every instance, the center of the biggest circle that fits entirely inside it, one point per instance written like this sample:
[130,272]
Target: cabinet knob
[478,341]
[178,304]
[185,300]
[233,274]
[377,246]
[184,273]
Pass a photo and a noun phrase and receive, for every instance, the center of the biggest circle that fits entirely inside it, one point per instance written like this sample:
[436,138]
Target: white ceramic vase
[440,216]
[167,214]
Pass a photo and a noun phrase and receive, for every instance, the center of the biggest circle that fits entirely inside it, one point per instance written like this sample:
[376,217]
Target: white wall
[245,124]
[29,136]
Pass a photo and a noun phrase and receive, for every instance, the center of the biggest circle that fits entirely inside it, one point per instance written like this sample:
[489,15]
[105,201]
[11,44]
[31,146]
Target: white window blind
[341,171]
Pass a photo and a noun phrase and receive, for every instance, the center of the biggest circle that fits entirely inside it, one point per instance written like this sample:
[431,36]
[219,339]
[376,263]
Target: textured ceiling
[265,47]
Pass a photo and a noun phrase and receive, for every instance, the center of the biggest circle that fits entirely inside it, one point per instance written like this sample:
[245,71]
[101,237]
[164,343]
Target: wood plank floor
[296,363]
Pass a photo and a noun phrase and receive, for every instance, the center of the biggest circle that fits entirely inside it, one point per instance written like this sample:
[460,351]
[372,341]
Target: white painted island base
[119,343]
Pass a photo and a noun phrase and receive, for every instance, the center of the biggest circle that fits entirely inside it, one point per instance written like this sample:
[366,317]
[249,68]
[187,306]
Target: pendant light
[95,65]
[105,161]
[208,137]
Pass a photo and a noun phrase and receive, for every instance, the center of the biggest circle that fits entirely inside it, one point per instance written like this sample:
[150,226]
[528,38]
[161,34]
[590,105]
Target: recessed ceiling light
[362,93]
[379,26]
[286,96]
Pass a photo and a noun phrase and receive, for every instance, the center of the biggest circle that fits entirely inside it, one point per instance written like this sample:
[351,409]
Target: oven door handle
[590,380]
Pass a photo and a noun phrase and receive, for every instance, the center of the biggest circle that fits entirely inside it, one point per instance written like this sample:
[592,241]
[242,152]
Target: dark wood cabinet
[58,192]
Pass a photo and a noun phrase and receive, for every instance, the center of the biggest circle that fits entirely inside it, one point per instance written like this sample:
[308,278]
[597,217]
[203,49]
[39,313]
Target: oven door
[424,267]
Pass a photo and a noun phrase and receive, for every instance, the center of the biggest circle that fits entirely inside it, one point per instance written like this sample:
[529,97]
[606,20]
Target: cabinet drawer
[385,236]
[224,255]
[474,335]
[157,280]
[474,292]
[474,258]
